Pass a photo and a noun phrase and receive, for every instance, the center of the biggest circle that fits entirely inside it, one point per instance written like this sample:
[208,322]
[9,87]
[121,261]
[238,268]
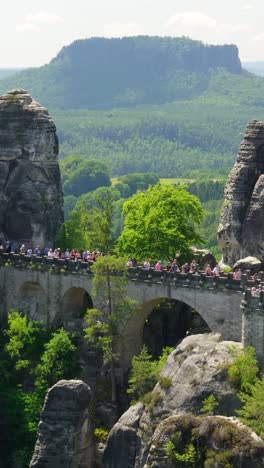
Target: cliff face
[196,369]
[241,228]
[30,186]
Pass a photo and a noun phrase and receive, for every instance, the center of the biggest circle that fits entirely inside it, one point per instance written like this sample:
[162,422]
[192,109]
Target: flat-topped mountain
[101,73]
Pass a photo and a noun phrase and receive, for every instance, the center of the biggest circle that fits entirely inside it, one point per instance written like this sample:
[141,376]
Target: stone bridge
[59,291]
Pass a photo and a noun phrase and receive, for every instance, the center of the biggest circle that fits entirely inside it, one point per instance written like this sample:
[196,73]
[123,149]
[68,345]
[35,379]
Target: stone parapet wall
[191,280]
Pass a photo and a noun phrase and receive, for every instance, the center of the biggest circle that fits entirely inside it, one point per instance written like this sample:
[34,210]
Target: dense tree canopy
[160,223]
[32,358]
[129,184]
[80,175]
[93,221]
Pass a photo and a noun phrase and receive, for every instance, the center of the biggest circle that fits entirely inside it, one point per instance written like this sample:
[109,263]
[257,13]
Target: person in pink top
[158,266]
[208,270]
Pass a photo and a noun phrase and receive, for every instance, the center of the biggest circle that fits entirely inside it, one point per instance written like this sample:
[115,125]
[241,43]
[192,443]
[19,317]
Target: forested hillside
[171,106]
[104,73]
[7,72]
[181,139]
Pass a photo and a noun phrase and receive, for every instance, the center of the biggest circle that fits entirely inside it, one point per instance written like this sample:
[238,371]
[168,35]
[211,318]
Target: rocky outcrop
[30,186]
[64,433]
[241,228]
[249,263]
[214,440]
[194,370]
[124,440]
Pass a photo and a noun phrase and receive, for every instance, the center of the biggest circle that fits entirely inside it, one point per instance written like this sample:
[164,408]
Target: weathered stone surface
[241,228]
[249,263]
[122,443]
[64,433]
[203,257]
[30,186]
[218,441]
[196,369]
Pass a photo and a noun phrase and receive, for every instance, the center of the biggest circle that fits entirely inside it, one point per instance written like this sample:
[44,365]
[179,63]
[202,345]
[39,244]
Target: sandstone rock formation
[216,441]
[241,228]
[196,369]
[64,434]
[30,187]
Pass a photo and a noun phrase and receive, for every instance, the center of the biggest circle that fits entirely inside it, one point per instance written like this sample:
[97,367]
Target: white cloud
[122,29]
[200,26]
[247,7]
[234,28]
[43,17]
[191,20]
[258,37]
[27,27]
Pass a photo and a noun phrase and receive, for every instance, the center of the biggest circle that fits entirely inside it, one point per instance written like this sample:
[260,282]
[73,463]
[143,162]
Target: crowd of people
[87,256]
[192,267]
[70,254]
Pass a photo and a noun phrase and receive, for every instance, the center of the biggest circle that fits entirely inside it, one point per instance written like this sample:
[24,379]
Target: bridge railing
[57,265]
[151,276]
[192,280]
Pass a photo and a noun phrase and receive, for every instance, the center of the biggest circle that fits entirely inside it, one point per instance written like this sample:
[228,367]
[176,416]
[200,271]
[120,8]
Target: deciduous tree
[104,323]
[160,223]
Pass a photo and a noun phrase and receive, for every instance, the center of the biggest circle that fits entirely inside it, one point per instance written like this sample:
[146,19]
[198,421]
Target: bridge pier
[253,321]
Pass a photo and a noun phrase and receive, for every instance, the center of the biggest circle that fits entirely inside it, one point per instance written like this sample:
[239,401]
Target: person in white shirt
[146,265]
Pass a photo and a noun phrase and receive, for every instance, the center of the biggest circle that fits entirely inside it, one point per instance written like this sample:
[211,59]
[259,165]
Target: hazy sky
[33,31]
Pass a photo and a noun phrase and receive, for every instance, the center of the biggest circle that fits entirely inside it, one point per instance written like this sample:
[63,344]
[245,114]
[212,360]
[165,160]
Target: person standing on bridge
[158,266]
[146,265]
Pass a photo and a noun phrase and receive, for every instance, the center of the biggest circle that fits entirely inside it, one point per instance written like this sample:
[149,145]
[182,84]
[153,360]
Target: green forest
[170,107]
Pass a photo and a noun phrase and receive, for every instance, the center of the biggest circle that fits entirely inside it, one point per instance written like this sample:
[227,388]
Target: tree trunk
[113,382]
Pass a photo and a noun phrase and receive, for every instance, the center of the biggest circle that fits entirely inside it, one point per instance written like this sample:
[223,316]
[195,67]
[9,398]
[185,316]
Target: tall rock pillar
[65,430]
[241,228]
[31,199]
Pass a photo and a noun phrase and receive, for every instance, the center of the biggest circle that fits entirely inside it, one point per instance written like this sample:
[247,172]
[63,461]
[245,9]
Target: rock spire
[241,228]
[30,185]
[65,429]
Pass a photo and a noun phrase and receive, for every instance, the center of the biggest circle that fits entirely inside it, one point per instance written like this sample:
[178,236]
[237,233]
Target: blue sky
[33,31]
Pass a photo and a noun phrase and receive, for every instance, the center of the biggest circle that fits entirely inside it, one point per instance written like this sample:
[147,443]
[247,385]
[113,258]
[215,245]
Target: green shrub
[221,459]
[145,372]
[243,372]
[189,455]
[101,434]
[252,412]
[165,382]
[210,404]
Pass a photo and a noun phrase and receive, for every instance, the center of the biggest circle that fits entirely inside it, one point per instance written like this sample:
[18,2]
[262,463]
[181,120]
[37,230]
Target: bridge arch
[75,302]
[155,325]
[219,310]
[32,300]
[169,323]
